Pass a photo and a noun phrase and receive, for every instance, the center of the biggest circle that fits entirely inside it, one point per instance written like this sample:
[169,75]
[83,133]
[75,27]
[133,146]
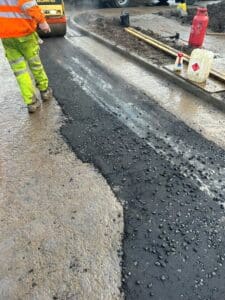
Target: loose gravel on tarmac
[170,180]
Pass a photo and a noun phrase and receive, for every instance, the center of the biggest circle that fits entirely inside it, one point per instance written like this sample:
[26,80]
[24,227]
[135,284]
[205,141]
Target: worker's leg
[19,67]
[30,49]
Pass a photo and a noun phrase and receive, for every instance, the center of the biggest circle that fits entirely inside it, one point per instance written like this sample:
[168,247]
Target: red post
[199,28]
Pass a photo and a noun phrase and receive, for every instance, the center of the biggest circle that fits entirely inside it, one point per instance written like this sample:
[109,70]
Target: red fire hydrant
[198,28]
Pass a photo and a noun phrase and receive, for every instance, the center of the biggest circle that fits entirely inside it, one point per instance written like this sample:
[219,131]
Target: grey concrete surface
[147,18]
[61,224]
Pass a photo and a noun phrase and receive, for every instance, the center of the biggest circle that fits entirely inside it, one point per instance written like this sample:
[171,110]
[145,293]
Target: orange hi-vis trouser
[23,56]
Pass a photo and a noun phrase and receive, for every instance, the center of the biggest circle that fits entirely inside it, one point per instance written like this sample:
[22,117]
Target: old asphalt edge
[61,225]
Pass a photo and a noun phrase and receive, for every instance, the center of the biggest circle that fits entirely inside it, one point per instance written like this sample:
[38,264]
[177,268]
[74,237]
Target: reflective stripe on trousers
[23,53]
[23,78]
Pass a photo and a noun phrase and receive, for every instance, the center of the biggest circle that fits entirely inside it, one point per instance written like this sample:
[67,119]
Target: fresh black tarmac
[174,241]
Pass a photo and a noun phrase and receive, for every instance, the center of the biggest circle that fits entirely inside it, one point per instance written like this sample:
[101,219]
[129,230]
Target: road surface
[169,178]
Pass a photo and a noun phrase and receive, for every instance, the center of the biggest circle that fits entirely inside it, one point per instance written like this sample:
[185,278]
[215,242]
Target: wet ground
[153,21]
[139,140]
[61,225]
[169,178]
[195,112]
[168,27]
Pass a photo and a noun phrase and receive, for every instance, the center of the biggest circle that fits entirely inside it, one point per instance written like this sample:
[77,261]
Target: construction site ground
[116,188]
[107,24]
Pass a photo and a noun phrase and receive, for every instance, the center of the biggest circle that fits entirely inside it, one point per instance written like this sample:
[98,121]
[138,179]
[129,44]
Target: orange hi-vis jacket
[19,18]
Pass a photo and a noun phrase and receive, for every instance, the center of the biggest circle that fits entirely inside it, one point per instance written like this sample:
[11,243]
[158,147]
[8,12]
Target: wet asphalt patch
[174,242]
